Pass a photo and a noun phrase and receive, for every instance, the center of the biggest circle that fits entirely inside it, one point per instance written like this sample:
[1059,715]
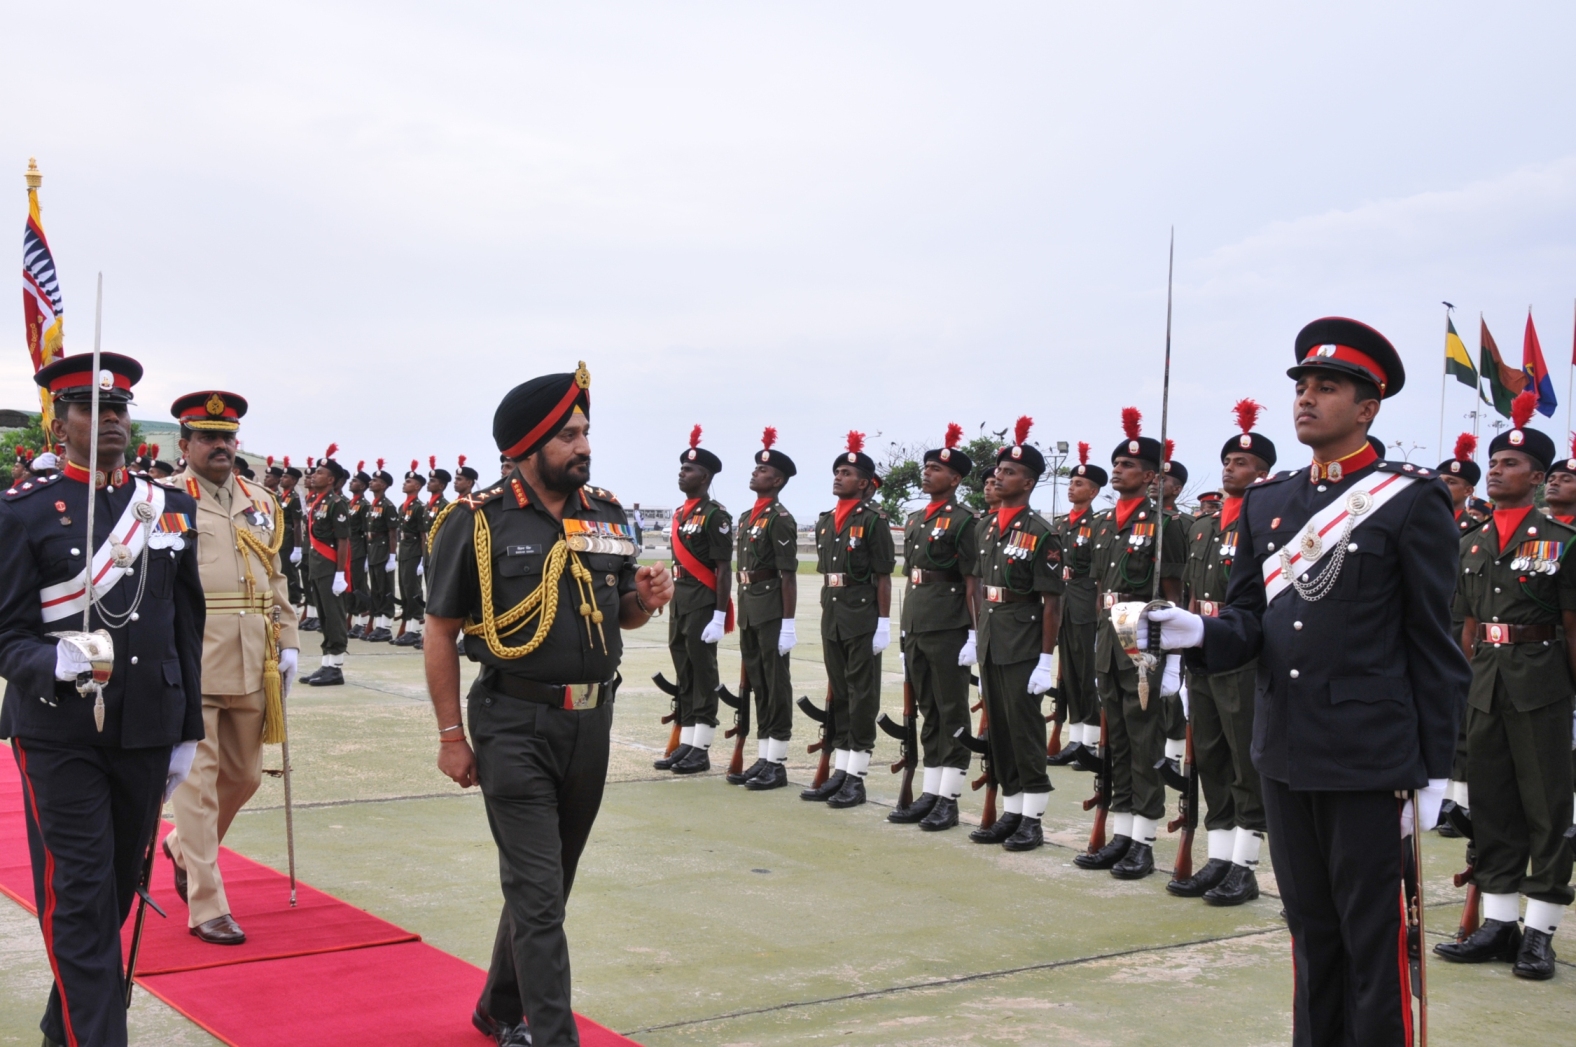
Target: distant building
[15,419]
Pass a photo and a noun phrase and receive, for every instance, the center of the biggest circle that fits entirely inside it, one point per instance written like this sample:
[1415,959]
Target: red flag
[1532,363]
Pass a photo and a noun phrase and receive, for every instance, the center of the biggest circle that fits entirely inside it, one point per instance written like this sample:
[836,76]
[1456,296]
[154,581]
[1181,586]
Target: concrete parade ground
[708,915]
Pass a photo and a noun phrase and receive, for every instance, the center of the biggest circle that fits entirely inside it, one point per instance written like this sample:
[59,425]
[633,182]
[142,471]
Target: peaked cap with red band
[212,410]
[70,379]
[1354,349]
[532,413]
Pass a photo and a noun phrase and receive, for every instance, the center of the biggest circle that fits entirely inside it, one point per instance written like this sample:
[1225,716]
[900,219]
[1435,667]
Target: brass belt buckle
[834,581]
[917,576]
[993,594]
[1498,633]
[580,696]
[1208,608]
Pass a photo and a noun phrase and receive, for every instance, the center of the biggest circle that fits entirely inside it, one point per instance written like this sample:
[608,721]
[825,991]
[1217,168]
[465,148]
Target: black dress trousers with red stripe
[92,796]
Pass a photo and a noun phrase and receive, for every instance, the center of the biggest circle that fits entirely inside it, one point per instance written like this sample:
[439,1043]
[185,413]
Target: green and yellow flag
[1457,362]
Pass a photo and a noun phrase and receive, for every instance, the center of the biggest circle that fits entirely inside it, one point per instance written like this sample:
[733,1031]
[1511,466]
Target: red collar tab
[935,507]
[844,507]
[1346,354]
[1124,510]
[409,498]
[114,478]
[761,505]
[1336,470]
[689,507]
[1006,515]
[1507,522]
[1230,509]
[1074,515]
[1566,519]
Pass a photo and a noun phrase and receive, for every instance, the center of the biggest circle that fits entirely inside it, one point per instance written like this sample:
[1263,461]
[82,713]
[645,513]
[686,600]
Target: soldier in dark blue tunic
[1342,590]
[93,776]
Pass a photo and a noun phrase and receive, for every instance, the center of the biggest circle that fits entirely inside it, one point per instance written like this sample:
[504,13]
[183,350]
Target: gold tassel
[273,691]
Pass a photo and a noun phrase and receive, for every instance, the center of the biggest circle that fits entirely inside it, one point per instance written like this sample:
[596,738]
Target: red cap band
[1346,354]
[79,379]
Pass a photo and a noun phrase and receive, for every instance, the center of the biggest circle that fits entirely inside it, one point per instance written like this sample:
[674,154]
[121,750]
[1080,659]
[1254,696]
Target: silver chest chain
[122,558]
[1311,545]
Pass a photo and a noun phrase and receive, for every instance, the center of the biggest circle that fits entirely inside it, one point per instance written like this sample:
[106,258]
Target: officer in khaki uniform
[1080,613]
[1516,592]
[239,532]
[939,608]
[854,554]
[768,559]
[702,540]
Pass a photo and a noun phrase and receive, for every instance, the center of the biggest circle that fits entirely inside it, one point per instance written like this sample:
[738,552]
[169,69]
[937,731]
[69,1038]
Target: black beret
[442,474]
[1021,451]
[1535,445]
[777,460]
[1256,444]
[1142,448]
[385,476]
[1354,349]
[70,379]
[855,456]
[1176,469]
[292,471]
[532,413]
[949,454]
[1466,469]
[698,455]
[469,473]
[1093,473]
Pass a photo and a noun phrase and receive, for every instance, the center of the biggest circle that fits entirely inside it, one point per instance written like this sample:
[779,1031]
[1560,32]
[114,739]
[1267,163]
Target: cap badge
[1516,438]
[106,379]
[1017,452]
[766,456]
[691,456]
[1168,467]
[852,457]
[946,453]
[1244,440]
[582,376]
[1455,467]
[215,405]
[1132,447]
[1325,350]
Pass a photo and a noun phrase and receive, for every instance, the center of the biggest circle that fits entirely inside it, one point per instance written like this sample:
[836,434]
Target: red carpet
[324,973]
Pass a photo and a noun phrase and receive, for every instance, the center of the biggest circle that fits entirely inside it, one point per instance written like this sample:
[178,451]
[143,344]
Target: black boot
[774,776]
[328,676]
[1069,754]
[827,790]
[1026,837]
[1137,863]
[408,638]
[696,761]
[356,632]
[1239,886]
[310,625]
[1005,826]
[667,762]
[852,794]
[749,772]
[944,815]
[1201,882]
[1106,856]
[1536,958]
[915,812]
[379,635]
[1496,940]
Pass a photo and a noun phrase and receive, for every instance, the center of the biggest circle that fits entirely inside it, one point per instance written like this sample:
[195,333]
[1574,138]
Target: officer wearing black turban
[541,573]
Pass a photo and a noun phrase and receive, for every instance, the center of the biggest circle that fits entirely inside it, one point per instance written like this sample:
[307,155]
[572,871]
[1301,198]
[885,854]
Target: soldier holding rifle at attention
[939,642]
[541,573]
[410,552]
[1080,611]
[1341,589]
[768,552]
[104,721]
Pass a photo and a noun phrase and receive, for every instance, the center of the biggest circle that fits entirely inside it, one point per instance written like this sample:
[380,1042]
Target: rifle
[1187,814]
[1412,884]
[673,715]
[823,745]
[144,899]
[1058,713]
[1101,800]
[1472,911]
[981,744]
[740,731]
[908,736]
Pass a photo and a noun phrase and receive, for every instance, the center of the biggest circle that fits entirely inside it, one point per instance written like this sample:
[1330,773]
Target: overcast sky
[372,219]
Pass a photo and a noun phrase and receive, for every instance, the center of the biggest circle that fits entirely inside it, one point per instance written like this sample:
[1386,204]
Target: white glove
[392,566]
[1179,629]
[180,767]
[295,555]
[883,636]
[1041,679]
[1186,707]
[713,631]
[420,569]
[340,585]
[1429,798]
[289,667]
[70,662]
[787,637]
[1171,679]
[969,654]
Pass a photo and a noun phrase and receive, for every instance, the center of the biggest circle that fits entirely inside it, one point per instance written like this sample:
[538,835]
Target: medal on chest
[1019,546]
[598,536]
[1538,557]
[856,535]
[1141,535]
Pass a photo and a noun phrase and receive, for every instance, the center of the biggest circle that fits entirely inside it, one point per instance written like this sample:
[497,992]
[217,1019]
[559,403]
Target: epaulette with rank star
[476,499]
[1285,474]
[604,494]
[1404,468]
[27,487]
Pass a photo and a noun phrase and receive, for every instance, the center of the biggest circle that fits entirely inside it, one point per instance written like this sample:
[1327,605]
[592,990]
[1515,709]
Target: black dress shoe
[1005,826]
[1088,758]
[827,790]
[1495,940]
[944,815]
[328,676]
[749,772]
[1536,958]
[1239,886]
[775,776]
[1106,856]
[309,625]
[1026,837]
[667,762]
[852,794]
[915,812]
[221,930]
[1137,863]
[180,874]
[409,638]
[484,1022]
[1205,879]
[514,1035]
[1069,754]
[357,632]
[1448,831]
[696,761]
[379,635]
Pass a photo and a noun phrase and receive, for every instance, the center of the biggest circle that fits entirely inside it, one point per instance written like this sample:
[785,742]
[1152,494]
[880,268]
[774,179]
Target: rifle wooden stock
[1102,791]
[823,770]
[740,730]
[988,779]
[1187,817]
[910,760]
[1472,911]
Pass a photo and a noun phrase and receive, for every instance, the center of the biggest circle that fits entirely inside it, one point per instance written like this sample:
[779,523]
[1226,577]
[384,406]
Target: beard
[565,477]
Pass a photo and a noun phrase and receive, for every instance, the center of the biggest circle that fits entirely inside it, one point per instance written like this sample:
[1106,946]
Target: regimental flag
[1457,362]
[1504,381]
[41,306]
[1537,372]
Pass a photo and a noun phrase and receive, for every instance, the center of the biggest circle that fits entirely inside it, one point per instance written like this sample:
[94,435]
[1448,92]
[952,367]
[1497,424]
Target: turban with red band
[532,413]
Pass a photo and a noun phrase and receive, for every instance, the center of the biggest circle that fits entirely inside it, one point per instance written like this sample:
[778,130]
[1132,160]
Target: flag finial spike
[35,177]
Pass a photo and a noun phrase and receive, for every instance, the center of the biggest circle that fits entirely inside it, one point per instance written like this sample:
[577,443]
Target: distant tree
[982,452]
[37,441]
[900,475]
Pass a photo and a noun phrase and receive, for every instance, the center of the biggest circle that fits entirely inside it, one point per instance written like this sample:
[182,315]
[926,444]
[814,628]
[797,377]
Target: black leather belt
[1497,633]
[750,577]
[575,696]
[998,594]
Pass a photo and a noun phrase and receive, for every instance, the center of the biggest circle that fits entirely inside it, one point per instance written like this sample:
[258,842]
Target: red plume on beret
[856,441]
[1247,414]
[1131,420]
[270,461]
[954,434]
[462,461]
[333,449]
[414,465]
[1573,445]
[308,460]
[695,436]
[142,450]
[1466,447]
[361,465]
[287,461]
[1020,428]
[1083,452]
[432,461]
[153,449]
[769,437]
[380,465]
[1171,446]
[1521,408]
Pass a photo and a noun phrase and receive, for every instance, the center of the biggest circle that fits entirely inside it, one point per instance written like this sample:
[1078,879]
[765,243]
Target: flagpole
[1570,379]
[1444,377]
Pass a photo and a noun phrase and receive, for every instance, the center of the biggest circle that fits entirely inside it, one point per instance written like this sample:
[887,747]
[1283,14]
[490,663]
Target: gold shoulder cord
[273,687]
[437,521]
[542,604]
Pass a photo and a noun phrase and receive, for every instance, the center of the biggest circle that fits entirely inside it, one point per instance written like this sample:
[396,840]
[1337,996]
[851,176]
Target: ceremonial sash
[63,599]
[697,570]
[320,547]
[1376,490]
